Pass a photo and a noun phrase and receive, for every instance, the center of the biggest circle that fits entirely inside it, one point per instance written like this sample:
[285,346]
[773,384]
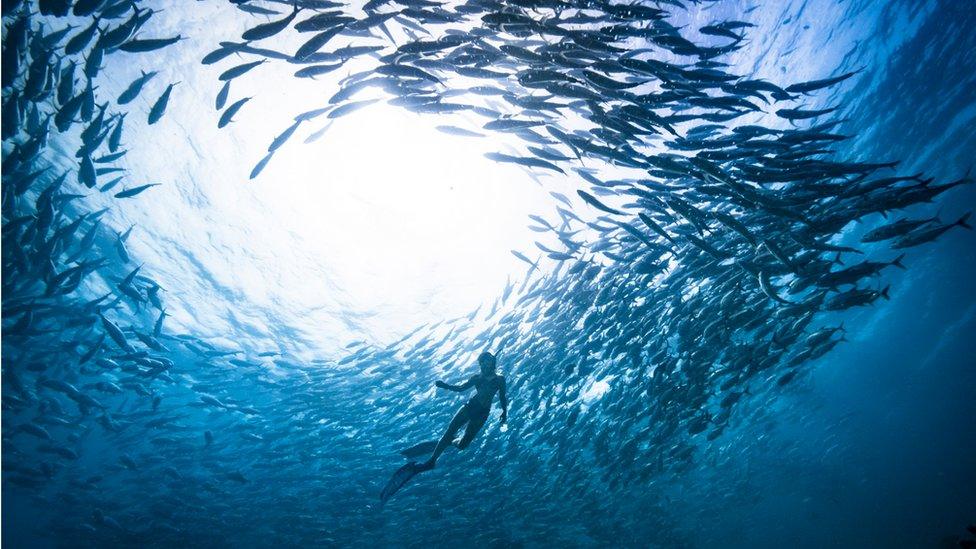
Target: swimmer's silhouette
[472,415]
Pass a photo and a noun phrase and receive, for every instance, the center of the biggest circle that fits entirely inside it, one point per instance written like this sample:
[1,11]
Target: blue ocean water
[288,390]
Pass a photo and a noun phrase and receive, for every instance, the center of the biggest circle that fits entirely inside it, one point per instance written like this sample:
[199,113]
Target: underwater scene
[488,273]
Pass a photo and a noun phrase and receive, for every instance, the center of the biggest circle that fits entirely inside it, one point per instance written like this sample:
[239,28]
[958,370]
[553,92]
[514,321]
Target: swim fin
[419,450]
[400,478]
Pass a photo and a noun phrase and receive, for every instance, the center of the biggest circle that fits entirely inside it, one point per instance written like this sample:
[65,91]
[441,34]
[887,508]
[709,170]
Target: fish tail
[897,261]
[962,221]
[884,292]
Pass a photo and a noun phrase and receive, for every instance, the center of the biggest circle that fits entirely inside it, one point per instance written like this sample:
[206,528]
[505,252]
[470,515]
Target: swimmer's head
[487,362]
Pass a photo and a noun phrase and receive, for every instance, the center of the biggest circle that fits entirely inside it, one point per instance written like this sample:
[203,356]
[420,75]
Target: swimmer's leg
[475,422]
[460,418]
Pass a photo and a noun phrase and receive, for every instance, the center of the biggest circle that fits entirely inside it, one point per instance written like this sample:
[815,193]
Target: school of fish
[697,258]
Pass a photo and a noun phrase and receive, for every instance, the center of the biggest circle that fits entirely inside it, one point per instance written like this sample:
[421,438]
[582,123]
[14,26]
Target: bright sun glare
[405,218]
[381,225]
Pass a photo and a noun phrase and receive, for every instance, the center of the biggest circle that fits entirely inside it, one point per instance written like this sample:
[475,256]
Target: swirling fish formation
[697,259]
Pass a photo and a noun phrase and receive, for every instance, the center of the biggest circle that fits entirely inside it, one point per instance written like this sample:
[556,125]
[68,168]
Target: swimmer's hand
[504,418]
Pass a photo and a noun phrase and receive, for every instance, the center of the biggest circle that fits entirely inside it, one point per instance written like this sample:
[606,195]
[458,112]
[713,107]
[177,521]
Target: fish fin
[418,450]
[399,479]
[962,221]
[386,31]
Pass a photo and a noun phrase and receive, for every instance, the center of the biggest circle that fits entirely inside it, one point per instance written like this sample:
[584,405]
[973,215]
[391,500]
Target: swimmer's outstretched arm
[503,400]
[456,388]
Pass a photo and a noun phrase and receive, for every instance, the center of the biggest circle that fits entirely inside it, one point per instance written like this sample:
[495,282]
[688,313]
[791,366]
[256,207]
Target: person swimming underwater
[472,416]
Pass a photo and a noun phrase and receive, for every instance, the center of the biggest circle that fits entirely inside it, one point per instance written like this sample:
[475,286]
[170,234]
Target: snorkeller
[472,416]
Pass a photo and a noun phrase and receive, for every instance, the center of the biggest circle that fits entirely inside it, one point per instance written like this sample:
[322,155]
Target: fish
[856,297]
[110,185]
[656,228]
[80,41]
[406,71]
[116,334]
[66,114]
[255,10]
[896,229]
[222,95]
[148,44]
[159,107]
[854,273]
[318,70]
[315,43]
[115,140]
[923,235]
[114,37]
[239,70]
[267,30]
[801,114]
[813,85]
[132,91]
[86,172]
[224,51]
[259,167]
[284,136]
[126,193]
[592,201]
[454,130]
[229,113]
[522,257]
[351,107]
[523,161]
[316,135]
